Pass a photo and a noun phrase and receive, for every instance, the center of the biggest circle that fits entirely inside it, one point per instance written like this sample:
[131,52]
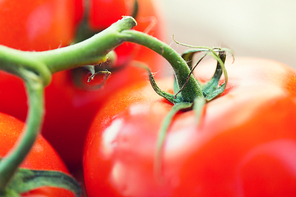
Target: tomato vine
[36,69]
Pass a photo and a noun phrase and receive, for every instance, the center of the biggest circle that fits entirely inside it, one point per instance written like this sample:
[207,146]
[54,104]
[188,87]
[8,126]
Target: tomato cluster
[70,108]
[243,144]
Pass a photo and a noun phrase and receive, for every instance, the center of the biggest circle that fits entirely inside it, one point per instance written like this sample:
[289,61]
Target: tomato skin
[13,99]
[79,11]
[36,25]
[244,145]
[99,12]
[41,157]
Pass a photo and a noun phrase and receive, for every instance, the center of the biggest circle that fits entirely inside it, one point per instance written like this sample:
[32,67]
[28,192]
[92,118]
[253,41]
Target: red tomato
[41,157]
[245,144]
[36,25]
[70,110]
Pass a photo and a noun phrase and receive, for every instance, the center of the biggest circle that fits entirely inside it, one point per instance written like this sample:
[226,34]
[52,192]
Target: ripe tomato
[41,157]
[245,144]
[36,25]
[69,110]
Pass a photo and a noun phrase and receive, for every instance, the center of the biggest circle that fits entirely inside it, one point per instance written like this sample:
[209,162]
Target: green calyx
[185,96]
[192,88]
[26,180]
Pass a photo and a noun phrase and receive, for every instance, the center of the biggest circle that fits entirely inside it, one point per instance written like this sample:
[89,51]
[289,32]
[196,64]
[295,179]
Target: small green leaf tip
[26,180]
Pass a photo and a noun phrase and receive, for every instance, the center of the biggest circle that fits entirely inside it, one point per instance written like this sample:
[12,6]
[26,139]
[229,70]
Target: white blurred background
[260,28]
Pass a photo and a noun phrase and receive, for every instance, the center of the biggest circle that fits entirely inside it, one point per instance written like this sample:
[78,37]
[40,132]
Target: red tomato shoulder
[36,25]
[243,146]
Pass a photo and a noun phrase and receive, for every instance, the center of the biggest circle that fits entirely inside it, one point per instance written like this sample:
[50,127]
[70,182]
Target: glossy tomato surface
[41,157]
[70,109]
[36,24]
[245,144]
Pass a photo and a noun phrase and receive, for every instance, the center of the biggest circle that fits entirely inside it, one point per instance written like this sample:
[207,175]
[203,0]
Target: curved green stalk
[162,134]
[89,52]
[192,88]
[35,68]
[14,158]
[154,85]
[17,62]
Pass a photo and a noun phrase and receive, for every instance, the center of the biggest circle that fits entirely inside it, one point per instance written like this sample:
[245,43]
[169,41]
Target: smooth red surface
[245,144]
[103,13]
[41,157]
[36,25]
[79,11]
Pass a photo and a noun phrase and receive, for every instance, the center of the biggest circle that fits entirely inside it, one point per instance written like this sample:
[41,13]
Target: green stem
[192,89]
[94,50]
[16,62]
[87,52]
[154,85]
[14,158]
